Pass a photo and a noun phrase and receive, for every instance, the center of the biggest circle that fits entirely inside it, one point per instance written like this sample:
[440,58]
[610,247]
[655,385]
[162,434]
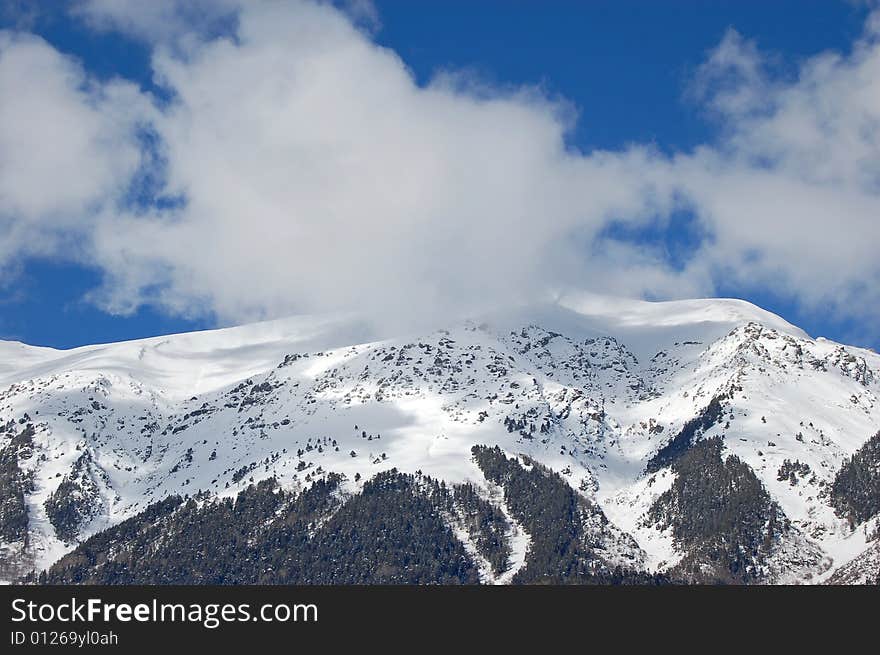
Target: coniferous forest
[396,530]
[720,514]
[855,491]
[399,528]
[390,533]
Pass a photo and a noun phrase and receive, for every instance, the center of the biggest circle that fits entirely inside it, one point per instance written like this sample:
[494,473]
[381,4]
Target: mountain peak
[587,388]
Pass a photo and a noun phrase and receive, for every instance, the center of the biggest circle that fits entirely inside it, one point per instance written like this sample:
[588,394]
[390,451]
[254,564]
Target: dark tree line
[395,531]
[720,514]
[112,556]
[74,501]
[855,491]
[486,526]
[15,484]
[553,514]
[390,533]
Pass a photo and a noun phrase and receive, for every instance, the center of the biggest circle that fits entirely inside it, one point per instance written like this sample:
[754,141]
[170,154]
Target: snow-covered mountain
[621,399]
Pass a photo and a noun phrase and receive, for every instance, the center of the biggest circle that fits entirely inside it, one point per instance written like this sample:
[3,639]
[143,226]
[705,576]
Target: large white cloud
[316,175]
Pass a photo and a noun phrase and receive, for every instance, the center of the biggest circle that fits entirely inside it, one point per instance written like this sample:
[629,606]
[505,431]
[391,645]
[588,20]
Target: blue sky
[625,67]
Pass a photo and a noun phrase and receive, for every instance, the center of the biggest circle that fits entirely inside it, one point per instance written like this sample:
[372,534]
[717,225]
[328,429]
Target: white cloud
[160,21]
[68,147]
[318,175]
[181,23]
[792,192]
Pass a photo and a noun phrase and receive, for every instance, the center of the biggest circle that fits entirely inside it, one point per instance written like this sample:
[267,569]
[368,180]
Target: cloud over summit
[303,168]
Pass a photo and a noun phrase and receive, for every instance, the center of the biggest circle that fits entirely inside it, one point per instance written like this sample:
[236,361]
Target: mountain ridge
[591,388]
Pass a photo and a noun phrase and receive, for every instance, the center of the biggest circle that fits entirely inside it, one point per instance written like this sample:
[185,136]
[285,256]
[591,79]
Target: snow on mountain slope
[182,364]
[590,387]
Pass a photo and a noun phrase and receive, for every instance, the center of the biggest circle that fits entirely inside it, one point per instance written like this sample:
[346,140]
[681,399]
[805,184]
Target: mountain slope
[605,394]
